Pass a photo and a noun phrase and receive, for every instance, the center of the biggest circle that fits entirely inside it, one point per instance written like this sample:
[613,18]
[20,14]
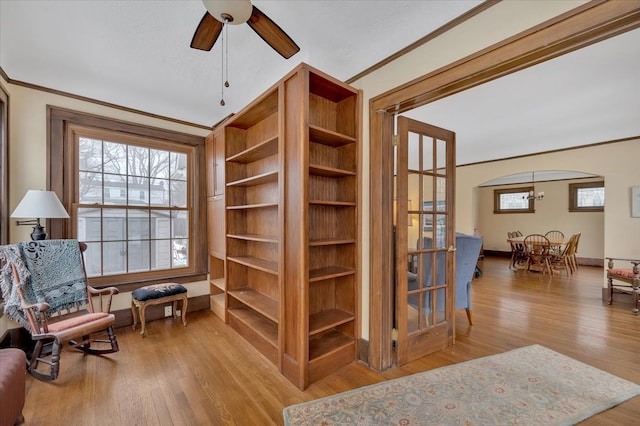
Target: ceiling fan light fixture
[234,12]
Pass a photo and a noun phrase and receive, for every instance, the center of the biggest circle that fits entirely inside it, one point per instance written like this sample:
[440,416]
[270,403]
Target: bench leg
[134,314]
[184,311]
[142,318]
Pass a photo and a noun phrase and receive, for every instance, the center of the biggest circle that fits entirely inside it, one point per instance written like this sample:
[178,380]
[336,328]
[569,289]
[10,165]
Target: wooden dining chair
[537,249]
[574,251]
[518,253]
[563,260]
[555,236]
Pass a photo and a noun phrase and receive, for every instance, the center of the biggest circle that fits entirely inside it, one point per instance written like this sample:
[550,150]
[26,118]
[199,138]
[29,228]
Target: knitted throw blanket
[49,271]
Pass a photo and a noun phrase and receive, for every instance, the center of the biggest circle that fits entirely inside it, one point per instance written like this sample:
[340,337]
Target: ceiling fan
[236,12]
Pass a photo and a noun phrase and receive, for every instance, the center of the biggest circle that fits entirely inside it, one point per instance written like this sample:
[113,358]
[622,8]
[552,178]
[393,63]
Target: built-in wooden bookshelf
[291,201]
[214,149]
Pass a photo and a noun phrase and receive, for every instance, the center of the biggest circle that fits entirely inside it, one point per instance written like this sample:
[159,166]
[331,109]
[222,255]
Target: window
[132,193]
[512,200]
[135,234]
[586,197]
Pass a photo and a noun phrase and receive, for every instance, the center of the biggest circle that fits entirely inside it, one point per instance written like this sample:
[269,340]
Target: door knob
[451,249]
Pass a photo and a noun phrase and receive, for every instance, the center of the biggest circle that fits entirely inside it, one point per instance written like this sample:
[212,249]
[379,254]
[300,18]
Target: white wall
[552,213]
[616,162]
[28,161]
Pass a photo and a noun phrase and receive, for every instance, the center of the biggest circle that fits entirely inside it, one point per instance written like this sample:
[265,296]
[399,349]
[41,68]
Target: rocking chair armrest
[104,296]
[107,290]
[40,306]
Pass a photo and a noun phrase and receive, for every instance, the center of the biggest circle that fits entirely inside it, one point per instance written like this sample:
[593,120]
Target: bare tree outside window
[132,208]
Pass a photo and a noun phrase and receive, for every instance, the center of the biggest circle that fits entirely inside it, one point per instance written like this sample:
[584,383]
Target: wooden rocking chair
[49,294]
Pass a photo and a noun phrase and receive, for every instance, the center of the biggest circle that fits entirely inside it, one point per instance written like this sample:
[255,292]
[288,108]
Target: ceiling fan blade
[272,34]
[207,32]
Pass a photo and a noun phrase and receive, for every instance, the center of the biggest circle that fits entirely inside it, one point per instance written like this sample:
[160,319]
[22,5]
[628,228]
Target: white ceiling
[136,54]
[588,96]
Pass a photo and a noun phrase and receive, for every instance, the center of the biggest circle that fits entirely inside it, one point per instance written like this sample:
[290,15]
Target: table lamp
[39,204]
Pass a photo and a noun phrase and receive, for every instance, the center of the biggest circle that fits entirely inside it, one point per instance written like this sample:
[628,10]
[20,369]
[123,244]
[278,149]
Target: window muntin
[586,197]
[512,200]
[132,206]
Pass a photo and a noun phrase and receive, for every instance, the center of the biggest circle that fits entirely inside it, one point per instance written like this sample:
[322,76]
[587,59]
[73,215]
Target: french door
[425,239]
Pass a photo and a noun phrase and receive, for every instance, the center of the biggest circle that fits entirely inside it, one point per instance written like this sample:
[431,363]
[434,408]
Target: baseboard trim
[20,338]
[124,317]
[363,351]
[586,261]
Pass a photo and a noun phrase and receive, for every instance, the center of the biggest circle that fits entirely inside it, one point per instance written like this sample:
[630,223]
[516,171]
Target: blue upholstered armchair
[467,253]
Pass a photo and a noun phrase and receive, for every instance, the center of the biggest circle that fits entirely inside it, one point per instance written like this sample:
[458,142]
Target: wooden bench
[157,294]
[625,280]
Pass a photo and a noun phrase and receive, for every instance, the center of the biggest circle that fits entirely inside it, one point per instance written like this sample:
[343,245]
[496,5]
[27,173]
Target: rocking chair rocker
[45,288]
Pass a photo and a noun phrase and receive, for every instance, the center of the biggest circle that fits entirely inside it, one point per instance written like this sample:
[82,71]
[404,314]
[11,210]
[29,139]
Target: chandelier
[532,195]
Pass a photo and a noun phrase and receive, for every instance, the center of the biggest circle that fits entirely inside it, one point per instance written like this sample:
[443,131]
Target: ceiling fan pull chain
[222,73]
[226,30]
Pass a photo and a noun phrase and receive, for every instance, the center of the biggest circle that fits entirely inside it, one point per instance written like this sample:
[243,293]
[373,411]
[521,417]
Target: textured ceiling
[136,54]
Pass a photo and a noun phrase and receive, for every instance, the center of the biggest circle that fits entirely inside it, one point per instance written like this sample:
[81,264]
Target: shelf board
[218,299]
[254,237]
[257,301]
[218,282]
[330,241]
[332,203]
[263,265]
[268,330]
[318,170]
[262,150]
[256,180]
[326,343]
[329,272]
[264,106]
[328,137]
[252,206]
[327,320]
[217,305]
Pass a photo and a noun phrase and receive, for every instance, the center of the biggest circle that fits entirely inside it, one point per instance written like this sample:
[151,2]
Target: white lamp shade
[238,10]
[40,204]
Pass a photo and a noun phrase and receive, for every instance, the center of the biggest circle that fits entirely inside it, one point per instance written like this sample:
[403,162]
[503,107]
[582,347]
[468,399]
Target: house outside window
[134,194]
[512,200]
[126,232]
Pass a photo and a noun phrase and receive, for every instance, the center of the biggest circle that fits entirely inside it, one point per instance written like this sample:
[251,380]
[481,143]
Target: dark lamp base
[38,233]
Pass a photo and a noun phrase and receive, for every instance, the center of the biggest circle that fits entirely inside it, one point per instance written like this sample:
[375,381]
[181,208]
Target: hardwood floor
[205,374]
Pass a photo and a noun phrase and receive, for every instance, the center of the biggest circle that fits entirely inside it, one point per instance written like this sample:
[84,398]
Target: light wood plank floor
[205,374]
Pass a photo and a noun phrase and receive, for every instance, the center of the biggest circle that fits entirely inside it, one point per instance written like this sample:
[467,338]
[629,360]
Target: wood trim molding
[580,27]
[443,29]
[124,317]
[99,102]
[4,165]
[59,123]
[552,151]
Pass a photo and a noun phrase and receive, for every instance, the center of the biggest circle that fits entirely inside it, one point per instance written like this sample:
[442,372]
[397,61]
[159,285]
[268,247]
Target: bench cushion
[157,291]
[623,273]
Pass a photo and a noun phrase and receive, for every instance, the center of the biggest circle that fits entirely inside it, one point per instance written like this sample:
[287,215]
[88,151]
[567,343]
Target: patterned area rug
[526,386]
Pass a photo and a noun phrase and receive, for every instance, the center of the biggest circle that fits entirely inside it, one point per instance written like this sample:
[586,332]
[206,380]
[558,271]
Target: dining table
[556,245]
[552,241]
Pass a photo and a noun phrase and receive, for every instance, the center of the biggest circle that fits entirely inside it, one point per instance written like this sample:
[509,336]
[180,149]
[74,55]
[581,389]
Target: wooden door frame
[590,23]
